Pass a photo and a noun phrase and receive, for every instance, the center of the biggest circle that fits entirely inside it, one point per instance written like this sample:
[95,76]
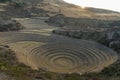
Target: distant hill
[54,7]
[70,10]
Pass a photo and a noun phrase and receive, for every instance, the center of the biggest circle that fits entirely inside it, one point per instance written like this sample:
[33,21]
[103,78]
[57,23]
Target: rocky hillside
[71,10]
[61,20]
[53,7]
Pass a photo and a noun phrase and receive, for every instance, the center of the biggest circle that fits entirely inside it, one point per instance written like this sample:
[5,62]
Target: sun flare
[83,7]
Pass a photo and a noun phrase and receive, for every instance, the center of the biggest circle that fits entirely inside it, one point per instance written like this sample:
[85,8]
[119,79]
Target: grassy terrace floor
[29,44]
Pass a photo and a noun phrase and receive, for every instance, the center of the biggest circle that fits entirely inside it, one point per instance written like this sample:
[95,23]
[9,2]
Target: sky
[105,4]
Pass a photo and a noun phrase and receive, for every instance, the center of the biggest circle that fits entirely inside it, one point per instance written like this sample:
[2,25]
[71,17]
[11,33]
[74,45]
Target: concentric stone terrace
[56,53]
[72,57]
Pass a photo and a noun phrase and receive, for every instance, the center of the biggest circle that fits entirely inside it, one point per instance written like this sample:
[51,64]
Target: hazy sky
[105,4]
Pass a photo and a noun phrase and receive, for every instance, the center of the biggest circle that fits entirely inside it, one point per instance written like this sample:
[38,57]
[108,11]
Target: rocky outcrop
[10,25]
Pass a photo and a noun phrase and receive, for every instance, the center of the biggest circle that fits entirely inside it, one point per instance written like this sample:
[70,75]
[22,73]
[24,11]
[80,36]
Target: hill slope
[54,7]
[60,7]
